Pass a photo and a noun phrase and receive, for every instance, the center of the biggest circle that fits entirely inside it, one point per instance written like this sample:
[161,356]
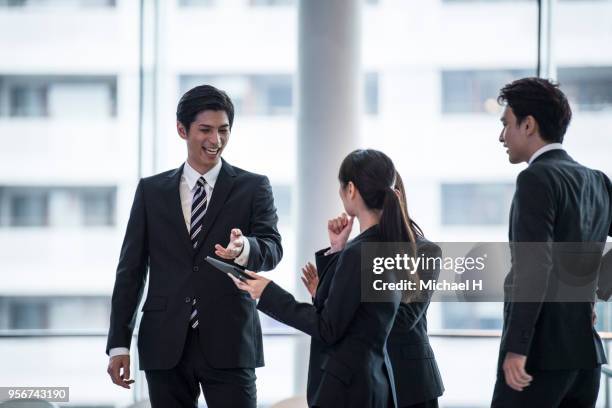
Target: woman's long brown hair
[414,227]
[414,230]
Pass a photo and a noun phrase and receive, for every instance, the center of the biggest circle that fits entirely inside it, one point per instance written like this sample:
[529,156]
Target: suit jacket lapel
[223,186]
[173,200]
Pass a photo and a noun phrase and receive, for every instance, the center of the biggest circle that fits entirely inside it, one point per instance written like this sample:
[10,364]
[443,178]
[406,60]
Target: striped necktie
[198,209]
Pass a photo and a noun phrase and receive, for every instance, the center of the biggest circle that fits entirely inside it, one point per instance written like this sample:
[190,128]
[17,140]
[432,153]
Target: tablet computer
[234,270]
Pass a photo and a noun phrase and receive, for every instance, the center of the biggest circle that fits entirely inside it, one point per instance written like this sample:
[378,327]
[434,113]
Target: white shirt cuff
[243,259]
[118,351]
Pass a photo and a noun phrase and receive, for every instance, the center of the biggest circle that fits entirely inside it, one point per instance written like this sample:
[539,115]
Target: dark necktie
[198,209]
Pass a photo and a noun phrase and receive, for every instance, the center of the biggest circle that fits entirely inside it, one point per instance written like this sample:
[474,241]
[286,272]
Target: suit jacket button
[187,300]
[195,269]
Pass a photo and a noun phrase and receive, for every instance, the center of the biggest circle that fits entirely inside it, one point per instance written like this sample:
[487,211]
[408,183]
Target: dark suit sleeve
[609,186]
[330,324]
[535,208]
[264,239]
[604,284]
[131,275]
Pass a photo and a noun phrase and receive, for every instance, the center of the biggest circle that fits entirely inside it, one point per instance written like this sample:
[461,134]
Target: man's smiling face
[206,139]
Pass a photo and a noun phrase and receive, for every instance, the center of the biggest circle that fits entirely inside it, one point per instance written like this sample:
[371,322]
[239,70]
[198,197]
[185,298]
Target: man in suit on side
[550,354]
[197,329]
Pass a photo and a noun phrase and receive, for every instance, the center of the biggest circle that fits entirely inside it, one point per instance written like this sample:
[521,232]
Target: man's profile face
[206,139]
[514,137]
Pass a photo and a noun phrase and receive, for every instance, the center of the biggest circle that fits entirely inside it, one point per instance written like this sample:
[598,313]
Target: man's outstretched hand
[234,247]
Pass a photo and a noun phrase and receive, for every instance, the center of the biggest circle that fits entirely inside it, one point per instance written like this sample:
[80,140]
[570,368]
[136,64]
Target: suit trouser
[551,389]
[180,386]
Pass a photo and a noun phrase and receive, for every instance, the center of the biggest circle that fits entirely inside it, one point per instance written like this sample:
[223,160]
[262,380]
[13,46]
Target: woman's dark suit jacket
[416,374]
[349,366]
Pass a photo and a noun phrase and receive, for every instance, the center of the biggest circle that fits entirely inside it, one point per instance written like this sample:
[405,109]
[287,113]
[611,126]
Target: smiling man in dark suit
[550,354]
[197,328]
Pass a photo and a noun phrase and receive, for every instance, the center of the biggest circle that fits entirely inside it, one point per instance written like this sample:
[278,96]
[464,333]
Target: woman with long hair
[418,383]
[349,365]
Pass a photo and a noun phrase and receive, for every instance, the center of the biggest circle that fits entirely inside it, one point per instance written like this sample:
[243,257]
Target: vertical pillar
[329,104]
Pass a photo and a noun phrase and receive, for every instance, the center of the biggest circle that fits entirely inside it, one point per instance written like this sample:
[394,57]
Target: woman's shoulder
[370,235]
[427,247]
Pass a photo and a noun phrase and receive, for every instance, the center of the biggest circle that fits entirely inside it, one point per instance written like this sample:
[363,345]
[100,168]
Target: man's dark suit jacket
[157,239]
[416,374]
[556,200]
[349,366]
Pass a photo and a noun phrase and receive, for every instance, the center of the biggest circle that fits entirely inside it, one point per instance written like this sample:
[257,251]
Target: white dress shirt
[544,149]
[187,187]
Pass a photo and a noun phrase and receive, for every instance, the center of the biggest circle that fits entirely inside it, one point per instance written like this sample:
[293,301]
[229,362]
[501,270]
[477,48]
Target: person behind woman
[349,366]
[418,383]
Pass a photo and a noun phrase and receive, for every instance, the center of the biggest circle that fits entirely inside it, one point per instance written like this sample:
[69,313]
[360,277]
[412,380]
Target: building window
[475,91]
[54,312]
[58,96]
[279,97]
[472,315]
[487,1]
[98,207]
[28,209]
[196,3]
[272,2]
[476,203]
[258,95]
[256,3]
[269,95]
[57,206]
[28,101]
[58,3]
[587,88]
[24,314]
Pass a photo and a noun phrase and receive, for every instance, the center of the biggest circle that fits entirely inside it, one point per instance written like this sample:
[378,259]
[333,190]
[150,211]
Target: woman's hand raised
[310,278]
[339,229]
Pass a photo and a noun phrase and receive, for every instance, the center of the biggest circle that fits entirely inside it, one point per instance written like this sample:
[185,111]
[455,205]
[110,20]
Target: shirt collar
[544,149]
[192,176]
